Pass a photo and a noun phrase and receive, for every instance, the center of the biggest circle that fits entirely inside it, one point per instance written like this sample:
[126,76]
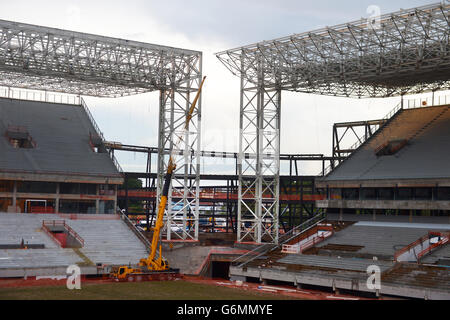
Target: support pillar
[97,201]
[182,203]
[258,170]
[115,199]
[14,198]
[126,194]
[57,197]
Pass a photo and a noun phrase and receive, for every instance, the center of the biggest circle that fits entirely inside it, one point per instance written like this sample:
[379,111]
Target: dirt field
[186,288]
[154,290]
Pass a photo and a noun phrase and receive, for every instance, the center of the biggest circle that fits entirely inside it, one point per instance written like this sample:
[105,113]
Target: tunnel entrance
[220,269]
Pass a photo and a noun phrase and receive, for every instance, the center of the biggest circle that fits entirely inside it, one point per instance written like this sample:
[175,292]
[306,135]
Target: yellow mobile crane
[151,264]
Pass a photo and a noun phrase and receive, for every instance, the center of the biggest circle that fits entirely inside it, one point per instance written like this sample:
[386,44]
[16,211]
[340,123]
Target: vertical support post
[97,201]
[57,197]
[115,199]
[258,171]
[14,198]
[183,201]
[126,194]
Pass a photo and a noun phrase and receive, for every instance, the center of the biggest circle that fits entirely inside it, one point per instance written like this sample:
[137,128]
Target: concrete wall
[336,282]
[50,271]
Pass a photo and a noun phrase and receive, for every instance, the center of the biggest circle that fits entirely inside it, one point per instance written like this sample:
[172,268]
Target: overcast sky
[210,27]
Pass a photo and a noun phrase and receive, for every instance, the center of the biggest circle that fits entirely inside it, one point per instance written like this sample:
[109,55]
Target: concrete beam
[384,204]
[42,271]
[58,196]
[323,183]
[53,177]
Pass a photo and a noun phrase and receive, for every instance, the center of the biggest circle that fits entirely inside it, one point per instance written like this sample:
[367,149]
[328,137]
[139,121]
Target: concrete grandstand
[54,167]
[106,241]
[53,160]
[411,175]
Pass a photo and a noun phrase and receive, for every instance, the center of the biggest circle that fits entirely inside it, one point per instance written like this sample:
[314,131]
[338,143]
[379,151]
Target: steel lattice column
[259,169]
[183,203]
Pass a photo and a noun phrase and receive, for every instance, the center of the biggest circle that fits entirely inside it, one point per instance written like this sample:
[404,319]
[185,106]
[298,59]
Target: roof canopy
[399,53]
[43,58]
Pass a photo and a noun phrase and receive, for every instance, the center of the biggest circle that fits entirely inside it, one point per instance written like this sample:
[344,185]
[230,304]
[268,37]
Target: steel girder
[50,59]
[340,152]
[407,52]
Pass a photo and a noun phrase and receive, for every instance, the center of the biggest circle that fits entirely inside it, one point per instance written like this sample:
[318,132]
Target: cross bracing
[402,53]
[50,59]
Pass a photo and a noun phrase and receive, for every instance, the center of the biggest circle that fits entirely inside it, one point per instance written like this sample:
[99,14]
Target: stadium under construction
[380,204]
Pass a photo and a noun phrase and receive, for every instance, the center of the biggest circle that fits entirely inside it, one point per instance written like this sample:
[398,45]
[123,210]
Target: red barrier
[57,236]
[62,238]
[40,209]
[223,195]
[444,240]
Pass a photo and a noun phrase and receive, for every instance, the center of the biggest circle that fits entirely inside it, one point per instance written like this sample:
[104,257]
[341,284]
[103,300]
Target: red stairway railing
[53,223]
[431,234]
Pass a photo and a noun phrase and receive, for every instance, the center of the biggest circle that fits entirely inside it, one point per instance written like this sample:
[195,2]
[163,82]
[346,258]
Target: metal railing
[444,240]
[269,247]
[91,118]
[404,104]
[99,133]
[40,96]
[135,230]
[410,247]
[53,223]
